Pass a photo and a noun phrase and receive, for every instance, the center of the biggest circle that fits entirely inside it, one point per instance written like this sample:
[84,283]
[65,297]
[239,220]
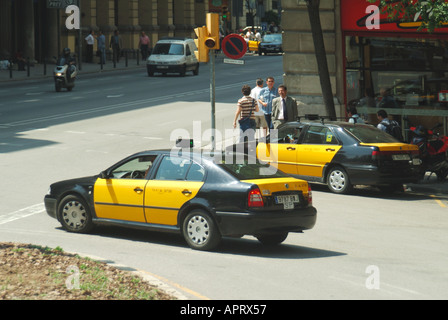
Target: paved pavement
[41,71]
[429,184]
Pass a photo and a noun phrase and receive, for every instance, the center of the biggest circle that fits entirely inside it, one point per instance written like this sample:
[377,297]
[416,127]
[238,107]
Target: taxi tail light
[310,196]
[255,199]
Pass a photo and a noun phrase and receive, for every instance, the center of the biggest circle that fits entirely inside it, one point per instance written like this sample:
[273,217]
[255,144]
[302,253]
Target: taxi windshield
[369,134]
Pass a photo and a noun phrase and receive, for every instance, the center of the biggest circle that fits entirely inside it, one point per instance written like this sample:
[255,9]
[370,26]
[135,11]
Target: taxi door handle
[186,192]
[329,149]
[138,190]
[290,148]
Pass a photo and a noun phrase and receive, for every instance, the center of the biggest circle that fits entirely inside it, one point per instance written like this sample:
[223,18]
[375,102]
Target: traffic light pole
[212,97]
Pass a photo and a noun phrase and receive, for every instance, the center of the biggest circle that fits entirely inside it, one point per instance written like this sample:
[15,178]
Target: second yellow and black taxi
[202,197]
[341,155]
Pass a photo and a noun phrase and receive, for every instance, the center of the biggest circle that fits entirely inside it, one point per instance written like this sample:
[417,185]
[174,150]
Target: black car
[201,197]
[341,155]
[270,43]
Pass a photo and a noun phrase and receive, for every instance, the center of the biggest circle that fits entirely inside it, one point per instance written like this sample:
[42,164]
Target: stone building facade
[299,62]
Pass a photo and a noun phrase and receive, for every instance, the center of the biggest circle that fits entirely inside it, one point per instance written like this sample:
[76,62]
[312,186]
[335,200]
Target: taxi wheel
[272,239]
[200,231]
[75,215]
[338,181]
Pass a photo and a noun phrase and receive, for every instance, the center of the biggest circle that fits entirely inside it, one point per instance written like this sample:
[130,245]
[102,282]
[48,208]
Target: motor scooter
[62,79]
[433,148]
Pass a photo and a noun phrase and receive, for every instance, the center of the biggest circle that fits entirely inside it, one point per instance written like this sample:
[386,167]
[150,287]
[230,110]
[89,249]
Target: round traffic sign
[234,46]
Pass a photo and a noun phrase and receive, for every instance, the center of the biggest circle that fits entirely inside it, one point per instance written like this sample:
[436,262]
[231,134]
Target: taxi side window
[196,172]
[136,168]
[174,168]
[319,135]
[289,135]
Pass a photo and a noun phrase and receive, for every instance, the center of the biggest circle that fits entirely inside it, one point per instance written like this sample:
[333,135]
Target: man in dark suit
[284,108]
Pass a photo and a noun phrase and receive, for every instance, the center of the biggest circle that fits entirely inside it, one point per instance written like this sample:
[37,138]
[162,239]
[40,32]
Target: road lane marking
[22,213]
[439,202]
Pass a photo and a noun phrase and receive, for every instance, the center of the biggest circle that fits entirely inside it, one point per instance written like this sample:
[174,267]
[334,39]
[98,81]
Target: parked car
[173,55]
[270,43]
[341,155]
[201,197]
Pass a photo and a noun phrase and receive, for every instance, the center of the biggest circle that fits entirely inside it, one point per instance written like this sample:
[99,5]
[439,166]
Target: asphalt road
[365,246]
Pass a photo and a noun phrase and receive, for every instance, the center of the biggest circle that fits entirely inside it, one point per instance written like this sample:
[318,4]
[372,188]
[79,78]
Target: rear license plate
[401,157]
[287,200]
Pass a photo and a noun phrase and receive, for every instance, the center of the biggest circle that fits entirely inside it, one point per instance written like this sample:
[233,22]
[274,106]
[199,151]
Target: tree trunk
[321,57]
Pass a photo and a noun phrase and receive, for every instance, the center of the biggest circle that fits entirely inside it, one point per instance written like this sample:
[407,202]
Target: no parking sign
[234,46]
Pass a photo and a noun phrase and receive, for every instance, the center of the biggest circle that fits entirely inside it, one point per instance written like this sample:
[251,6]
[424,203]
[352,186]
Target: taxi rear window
[247,169]
[369,134]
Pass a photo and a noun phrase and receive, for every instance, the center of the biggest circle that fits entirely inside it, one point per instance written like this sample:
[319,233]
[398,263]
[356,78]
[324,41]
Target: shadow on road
[247,246]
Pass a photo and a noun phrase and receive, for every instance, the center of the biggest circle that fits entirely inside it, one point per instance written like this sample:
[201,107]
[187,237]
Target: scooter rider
[70,61]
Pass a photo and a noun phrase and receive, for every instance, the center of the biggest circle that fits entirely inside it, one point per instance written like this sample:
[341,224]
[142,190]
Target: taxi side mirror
[104,175]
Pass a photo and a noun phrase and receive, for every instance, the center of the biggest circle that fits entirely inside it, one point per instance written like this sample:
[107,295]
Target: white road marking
[22,213]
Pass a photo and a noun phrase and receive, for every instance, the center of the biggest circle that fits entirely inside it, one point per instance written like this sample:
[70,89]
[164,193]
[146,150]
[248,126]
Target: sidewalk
[39,70]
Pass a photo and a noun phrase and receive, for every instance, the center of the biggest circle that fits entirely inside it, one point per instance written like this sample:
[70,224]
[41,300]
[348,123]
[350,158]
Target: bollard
[10,70]
[126,57]
[138,57]
[27,67]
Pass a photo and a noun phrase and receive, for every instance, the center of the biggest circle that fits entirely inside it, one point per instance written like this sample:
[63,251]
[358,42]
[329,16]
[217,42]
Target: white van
[173,55]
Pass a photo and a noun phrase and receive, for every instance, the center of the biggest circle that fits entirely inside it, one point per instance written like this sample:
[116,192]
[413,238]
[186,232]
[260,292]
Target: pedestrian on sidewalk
[267,94]
[260,120]
[101,47]
[246,109]
[284,108]
[90,40]
[143,44]
[116,45]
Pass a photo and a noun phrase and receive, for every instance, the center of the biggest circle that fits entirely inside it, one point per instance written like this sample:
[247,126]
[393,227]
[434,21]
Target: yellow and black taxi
[341,155]
[203,197]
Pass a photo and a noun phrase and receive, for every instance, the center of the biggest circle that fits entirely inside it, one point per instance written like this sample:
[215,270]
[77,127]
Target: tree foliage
[431,14]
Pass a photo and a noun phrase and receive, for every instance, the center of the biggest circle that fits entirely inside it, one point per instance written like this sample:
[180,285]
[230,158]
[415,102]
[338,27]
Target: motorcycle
[62,79]
[433,148]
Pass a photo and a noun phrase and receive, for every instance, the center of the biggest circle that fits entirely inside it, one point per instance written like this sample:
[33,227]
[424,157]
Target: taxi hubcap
[198,229]
[74,214]
[337,180]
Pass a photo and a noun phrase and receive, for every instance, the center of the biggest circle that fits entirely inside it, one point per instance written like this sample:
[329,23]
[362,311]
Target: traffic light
[224,14]
[212,39]
[202,50]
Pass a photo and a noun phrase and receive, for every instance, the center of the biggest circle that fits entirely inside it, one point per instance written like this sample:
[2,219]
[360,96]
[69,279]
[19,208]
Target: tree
[431,13]
[321,57]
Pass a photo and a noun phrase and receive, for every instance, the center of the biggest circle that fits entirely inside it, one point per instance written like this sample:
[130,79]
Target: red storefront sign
[361,15]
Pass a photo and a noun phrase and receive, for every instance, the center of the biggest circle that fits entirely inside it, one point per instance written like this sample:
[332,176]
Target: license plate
[287,200]
[401,157]
[162,67]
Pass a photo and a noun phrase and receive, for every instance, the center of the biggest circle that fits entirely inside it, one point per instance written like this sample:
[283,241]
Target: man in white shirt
[90,42]
[260,120]
[257,35]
